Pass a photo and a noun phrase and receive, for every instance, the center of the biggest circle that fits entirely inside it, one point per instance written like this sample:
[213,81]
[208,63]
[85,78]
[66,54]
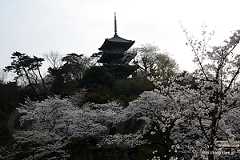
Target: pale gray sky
[40,26]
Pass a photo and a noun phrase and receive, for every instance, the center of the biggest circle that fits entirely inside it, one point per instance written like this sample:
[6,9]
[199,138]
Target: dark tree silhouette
[75,66]
[155,65]
[27,67]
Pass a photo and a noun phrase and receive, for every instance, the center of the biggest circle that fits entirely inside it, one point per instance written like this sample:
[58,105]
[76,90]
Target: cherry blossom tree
[217,78]
[65,123]
[157,121]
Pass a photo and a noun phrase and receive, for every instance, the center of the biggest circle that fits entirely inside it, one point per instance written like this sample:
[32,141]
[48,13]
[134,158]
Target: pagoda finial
[115,24]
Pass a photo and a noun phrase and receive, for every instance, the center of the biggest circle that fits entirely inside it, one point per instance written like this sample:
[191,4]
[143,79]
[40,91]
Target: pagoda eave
[107,45]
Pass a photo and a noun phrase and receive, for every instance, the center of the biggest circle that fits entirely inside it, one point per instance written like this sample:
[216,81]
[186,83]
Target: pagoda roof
[116,40]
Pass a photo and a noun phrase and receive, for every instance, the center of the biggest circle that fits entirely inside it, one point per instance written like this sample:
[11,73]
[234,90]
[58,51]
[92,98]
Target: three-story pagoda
[114,79]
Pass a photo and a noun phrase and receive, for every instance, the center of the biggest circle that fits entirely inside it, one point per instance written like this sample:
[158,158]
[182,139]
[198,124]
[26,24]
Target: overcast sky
[37,27]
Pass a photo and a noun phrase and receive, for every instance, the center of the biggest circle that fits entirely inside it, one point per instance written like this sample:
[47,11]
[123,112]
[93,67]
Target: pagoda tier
[115,43]
[113,49]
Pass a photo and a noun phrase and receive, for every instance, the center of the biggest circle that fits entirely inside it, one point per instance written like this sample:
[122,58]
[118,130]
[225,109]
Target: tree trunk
[29,81]
[211,152]
[43,82]
[213,133]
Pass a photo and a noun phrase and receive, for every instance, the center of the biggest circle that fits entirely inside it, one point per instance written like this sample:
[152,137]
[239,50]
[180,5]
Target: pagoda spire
[115,24]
